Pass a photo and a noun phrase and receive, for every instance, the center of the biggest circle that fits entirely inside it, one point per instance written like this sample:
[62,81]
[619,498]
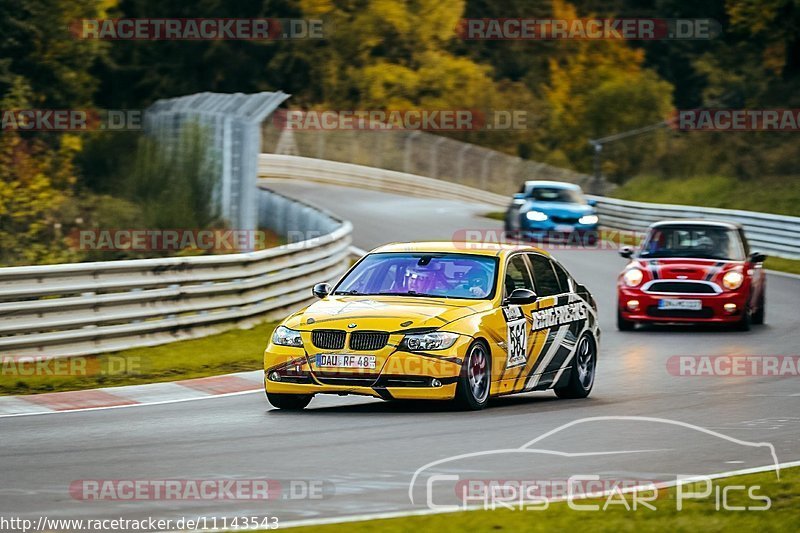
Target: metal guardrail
[88,308]
[772,234]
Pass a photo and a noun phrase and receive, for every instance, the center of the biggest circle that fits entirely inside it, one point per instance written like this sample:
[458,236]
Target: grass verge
[767,195]
[696,515]
[233,351]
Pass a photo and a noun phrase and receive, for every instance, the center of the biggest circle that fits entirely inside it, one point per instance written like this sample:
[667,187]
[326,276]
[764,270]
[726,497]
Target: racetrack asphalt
[366,451]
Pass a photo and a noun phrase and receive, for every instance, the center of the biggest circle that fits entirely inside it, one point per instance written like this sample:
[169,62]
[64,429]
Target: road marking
[164,402]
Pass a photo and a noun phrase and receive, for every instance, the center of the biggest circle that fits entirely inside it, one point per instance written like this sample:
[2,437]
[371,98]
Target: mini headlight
[632,277]
[284,336]
[437,340]
[588,219]
[536,216]
[732,280]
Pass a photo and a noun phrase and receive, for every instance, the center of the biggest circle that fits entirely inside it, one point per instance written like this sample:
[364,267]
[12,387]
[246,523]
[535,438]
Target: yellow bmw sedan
[439,321]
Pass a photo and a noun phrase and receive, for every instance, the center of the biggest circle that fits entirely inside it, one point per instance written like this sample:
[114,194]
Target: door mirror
[591,202]
[626,252]
[321,290]
[519,199]
[521,297]
[757,257]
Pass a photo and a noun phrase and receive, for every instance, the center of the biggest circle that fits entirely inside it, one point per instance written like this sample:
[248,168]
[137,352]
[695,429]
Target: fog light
[436,383]
[730,308]
[633,305]
[274,376]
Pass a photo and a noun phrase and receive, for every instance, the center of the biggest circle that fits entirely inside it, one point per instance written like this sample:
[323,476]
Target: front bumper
[713,307]
[402,375]
[548,230]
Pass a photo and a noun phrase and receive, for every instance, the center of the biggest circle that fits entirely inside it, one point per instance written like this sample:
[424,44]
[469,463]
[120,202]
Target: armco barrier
[87,308]
[772,234]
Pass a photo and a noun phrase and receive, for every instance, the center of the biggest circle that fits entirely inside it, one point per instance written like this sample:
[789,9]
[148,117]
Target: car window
[557,194]
[563,277]
[544,276]
[517,275]
[702,242]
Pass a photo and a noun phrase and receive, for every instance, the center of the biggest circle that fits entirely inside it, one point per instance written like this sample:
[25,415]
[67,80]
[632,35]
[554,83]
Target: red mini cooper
[692,271]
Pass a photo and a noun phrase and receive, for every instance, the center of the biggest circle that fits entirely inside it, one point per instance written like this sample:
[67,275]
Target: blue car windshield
[557,194]
[438,275]
[699,242]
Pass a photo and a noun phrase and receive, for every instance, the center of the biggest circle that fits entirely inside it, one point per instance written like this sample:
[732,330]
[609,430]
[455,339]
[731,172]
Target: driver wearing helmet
[477,282]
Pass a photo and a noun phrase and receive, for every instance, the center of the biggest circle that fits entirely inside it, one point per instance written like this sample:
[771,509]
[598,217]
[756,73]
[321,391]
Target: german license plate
[345,361]
[682,305]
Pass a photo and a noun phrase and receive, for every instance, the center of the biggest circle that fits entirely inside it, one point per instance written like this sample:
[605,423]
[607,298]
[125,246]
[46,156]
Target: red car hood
[691,269]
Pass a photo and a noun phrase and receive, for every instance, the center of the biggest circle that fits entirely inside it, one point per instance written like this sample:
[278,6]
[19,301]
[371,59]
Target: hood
[689,269]
[559,209]
[384,313]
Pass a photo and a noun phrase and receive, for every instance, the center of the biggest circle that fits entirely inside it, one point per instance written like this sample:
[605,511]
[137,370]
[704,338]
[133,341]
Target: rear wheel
[624,324]
[472,392]
[289,402]
[581,376]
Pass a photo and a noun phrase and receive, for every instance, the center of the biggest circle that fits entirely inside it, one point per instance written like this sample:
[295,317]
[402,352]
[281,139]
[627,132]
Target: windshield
[702,242]
[557,194]
[418,274]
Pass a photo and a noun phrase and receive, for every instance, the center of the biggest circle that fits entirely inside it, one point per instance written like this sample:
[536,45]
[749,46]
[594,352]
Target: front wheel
[289,402]
[472,392]
[581,375]
[624,324]
[758,316]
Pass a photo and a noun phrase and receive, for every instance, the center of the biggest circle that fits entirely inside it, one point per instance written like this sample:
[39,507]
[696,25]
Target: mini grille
[681,287]
[368,340]
[328,339]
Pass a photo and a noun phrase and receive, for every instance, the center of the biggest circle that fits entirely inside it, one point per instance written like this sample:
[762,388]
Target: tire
[623,324]
[289,402]
[745,322]
[581,375]
[758,316]
[472,392]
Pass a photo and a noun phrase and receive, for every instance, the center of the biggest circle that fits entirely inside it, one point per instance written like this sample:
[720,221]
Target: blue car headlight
[588,219]
[536,216]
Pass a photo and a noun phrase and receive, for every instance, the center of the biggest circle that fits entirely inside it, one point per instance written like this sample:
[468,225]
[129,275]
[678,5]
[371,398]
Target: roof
[556,184]
[697,222]
[475,248]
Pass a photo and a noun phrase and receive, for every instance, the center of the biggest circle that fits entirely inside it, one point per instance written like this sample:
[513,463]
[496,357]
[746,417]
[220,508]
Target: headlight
[536,216]
[284,336]
[632,277]
[588,219]
[437,340]
[732,280]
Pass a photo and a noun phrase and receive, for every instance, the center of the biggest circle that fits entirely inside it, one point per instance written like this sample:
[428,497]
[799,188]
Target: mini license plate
[345,361]
[684,305]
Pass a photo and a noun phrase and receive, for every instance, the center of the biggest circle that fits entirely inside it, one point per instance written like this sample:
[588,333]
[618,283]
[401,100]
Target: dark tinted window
[563,277]
[517,276]
[544,276]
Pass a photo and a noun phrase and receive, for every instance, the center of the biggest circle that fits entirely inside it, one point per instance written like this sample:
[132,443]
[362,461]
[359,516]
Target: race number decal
[517,337]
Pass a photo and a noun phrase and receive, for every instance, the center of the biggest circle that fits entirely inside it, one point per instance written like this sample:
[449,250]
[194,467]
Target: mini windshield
[442,275]
[557,194]
[701,242]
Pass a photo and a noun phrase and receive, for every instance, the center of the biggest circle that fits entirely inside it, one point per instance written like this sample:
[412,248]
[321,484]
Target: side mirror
[519,199]
[591,202]
[321,290]
[521,297]
[757,257]
[626,252]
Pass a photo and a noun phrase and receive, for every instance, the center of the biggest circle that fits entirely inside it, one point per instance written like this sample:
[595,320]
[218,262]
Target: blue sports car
[552,210]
